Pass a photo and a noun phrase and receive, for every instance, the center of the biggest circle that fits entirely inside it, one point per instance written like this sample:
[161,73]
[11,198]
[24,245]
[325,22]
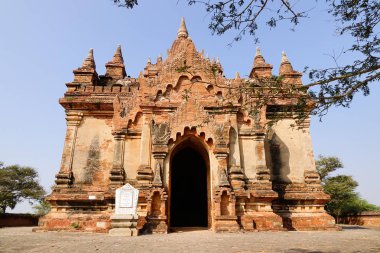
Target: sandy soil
[351,239]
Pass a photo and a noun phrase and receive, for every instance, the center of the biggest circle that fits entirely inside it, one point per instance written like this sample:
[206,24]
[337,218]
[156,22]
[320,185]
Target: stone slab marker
[124,221]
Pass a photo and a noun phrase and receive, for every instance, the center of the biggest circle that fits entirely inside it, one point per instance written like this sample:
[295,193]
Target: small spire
[115,69]
[237,76]
[258,52]
[118,49]
[284,58]
[159,58]
[182,31]
[259,60]
[89,62]
[260,67]
[90,53]
[149,61]
[286,66]
[118,56]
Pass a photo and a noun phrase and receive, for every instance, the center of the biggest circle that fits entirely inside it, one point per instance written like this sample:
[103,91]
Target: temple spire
[284,58]
[86,74]
[290,76]
[258,52]
[182,31]
[260,67]
[259,59]
[115,69]
[286,66]
[118,56]
[89,62]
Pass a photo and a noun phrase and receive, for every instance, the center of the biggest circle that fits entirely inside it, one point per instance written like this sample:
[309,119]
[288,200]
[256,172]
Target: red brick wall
[18,220]
[370,219]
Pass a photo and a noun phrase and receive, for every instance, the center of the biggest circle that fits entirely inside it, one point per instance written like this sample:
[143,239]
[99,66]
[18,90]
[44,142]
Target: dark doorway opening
[188,204]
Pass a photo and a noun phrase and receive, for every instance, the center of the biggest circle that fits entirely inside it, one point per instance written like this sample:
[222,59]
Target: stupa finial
[284,58]
[182,31]
[258,52]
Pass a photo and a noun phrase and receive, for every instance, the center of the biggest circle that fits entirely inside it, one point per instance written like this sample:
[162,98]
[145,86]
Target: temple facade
[188,139]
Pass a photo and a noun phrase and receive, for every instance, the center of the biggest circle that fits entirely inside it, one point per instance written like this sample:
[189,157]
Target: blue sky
[42,41]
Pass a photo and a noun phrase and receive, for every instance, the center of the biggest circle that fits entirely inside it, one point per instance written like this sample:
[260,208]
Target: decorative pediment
[124,110]
[189,114]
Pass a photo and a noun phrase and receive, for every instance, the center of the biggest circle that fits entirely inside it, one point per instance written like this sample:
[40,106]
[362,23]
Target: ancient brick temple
[197,156]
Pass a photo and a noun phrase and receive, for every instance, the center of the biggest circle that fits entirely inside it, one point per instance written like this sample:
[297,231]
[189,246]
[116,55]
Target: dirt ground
[351,239]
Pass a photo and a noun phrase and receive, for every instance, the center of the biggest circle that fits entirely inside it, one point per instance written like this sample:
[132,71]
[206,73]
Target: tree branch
[351,74]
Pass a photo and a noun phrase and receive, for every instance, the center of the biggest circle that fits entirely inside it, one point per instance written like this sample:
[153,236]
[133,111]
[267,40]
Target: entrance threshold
[186,229]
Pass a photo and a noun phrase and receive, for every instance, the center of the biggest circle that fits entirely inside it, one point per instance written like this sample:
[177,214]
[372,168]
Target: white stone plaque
[126,200]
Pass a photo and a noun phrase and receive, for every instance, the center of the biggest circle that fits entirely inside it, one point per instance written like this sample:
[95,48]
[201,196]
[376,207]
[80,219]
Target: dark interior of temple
[188,189]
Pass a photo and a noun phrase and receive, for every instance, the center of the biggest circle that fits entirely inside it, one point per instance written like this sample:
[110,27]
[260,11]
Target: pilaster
[117,172]
[144,172]
[222,168]
[160,137]
[262,170]
[311,175]
[65,175]
[236,172]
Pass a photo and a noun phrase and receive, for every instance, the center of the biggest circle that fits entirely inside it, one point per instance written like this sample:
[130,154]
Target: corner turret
[115,69]
[286,70]
[260,67]
[86,74]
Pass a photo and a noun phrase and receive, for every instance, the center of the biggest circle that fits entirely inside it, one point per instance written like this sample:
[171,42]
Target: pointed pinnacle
[259,59]
[159,58]
[89,62]
[284,58]
[182,31]
[118,49]
[90,54]
[237,76]
[258,52]
[118,56]
[286,66]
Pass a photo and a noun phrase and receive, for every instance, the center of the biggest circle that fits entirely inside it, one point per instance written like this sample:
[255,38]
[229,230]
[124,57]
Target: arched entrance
[189,185]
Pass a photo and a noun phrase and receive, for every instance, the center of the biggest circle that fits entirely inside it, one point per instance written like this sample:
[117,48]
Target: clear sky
[42,41]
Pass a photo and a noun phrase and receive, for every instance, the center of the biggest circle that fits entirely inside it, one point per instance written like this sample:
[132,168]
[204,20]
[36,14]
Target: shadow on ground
[351,227]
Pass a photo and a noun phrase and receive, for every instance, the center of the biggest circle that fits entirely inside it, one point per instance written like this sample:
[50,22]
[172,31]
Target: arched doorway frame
[199,145]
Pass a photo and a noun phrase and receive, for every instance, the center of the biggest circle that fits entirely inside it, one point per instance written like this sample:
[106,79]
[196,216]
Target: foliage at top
[18,183]
[341,188]
[331,86]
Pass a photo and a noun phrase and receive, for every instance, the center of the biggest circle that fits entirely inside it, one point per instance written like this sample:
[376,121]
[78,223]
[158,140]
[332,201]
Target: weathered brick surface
[122,129]
[18,220]
[370,219]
